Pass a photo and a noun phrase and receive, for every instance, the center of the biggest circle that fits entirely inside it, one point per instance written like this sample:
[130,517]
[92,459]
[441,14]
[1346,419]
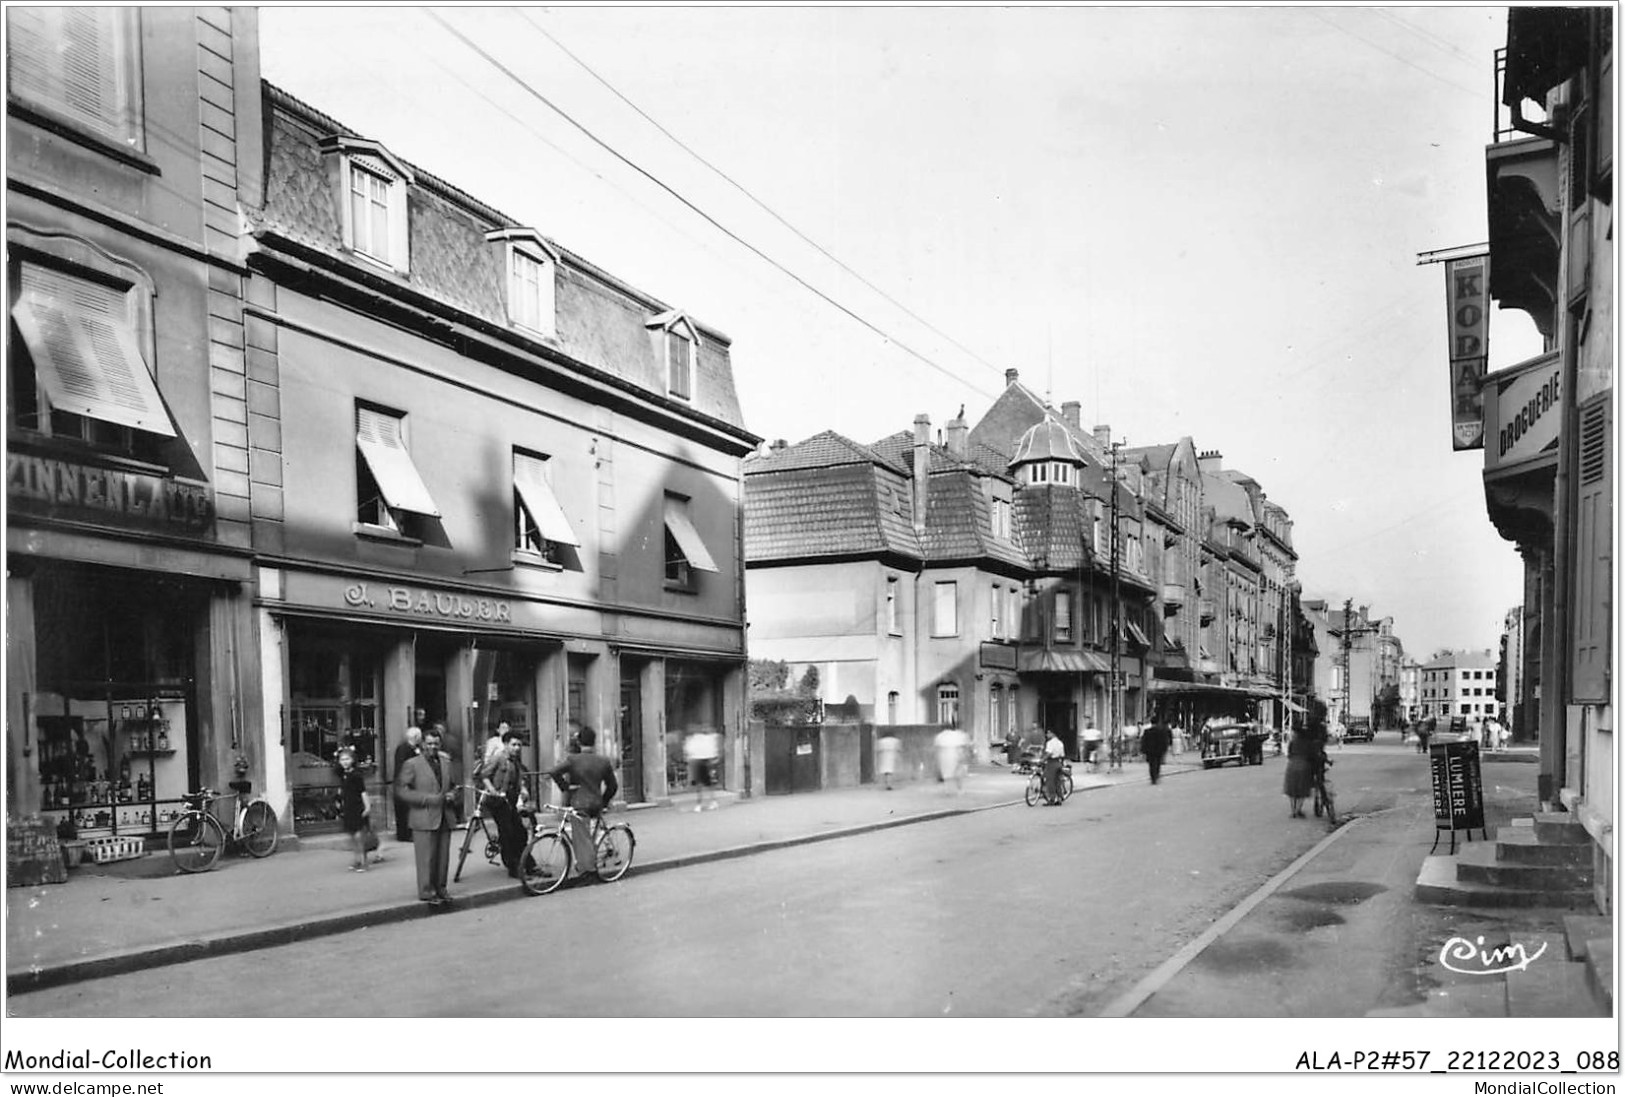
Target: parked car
[1238,741]
[1358,730]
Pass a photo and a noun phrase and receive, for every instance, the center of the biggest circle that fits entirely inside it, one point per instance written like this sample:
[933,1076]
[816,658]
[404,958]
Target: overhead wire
[702,214]
[1423,69]
[525,15]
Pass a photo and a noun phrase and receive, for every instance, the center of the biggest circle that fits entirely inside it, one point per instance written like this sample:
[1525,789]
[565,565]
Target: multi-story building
[1460,683]
[1358,657]
[1547,422]
[1410,689]
[487,479]
[1510,671]
[131,678]
[303,438]
[894,569]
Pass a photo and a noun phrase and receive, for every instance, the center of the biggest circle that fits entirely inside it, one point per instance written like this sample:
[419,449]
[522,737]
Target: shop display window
[335,685]
[693,704]
[113,718]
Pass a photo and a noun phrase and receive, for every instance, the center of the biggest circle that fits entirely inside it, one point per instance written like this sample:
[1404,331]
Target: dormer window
[372,186]
[680,343]
[532,266]
[1001,518]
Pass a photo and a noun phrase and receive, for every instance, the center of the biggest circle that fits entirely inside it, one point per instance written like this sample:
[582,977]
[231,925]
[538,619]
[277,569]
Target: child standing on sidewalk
[354,806]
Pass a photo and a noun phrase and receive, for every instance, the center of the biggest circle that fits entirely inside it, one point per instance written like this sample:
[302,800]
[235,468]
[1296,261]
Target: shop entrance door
[1062,716]
[631,723]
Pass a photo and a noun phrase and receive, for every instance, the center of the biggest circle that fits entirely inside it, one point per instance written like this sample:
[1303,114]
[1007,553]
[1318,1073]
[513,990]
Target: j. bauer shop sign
[410,603]
[55,487]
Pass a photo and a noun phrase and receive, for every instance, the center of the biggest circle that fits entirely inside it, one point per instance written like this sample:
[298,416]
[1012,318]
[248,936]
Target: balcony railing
[1173,594]
[1206,609]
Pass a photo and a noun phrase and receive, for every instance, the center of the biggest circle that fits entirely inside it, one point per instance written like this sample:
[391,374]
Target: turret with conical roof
[1047,454]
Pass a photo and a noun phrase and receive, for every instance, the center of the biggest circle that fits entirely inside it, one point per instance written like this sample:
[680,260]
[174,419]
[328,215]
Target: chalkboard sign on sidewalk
[1458,790]
[33,855]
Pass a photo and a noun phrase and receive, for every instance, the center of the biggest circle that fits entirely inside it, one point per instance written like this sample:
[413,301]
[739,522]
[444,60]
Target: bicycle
[1035,786]
[493,847]
[197,838]
[1323,795]
[549,858]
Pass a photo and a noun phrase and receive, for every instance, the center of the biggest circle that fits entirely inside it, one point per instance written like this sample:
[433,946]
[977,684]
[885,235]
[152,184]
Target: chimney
[1210,461]
[922,468]
[778,444]
[958,433]
[1010,376]
[1070,414]
[1103,435]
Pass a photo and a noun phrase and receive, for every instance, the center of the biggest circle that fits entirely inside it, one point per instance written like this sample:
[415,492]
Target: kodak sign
[1467,289]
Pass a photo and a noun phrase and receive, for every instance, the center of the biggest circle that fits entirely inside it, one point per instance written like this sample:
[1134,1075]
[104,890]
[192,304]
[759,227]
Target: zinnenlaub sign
[1467,288]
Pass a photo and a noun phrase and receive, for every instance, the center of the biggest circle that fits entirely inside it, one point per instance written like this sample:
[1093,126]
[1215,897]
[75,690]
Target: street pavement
[111,919]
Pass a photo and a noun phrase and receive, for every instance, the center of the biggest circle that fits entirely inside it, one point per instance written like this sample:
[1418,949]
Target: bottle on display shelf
[163,735]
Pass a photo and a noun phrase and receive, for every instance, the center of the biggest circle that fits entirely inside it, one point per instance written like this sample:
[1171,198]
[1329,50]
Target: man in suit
[588,778]
[406,748]
[425,784]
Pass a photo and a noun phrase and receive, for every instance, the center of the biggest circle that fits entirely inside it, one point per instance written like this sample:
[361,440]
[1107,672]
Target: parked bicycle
[1035,785]
[487,829]
[197,838]
[1324,803]
[549,859]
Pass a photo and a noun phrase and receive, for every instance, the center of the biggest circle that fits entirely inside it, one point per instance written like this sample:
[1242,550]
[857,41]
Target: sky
[1198,221]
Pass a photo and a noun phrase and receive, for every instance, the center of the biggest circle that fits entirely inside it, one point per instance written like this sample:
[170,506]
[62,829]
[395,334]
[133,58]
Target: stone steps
[1439,883]
[1481,863]
[1521,845]
[1589,940]
[1540,861]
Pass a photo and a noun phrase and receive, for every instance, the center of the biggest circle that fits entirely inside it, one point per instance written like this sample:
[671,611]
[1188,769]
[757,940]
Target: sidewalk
[111,919]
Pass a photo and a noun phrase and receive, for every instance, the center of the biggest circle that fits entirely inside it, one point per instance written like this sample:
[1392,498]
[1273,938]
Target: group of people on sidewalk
[428,802]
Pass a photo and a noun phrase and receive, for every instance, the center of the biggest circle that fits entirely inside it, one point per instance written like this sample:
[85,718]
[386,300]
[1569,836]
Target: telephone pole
[1117,624]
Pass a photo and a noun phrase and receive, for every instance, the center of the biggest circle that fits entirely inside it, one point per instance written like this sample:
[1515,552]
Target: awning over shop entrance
[1050,661]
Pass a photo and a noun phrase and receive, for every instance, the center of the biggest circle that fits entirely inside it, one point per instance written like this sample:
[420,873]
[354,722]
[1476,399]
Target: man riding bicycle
[588,781]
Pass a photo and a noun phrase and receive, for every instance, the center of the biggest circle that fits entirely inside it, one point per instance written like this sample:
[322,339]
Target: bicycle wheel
[615,847]
[196,840]
[1331,805]
[462,854]
[546,864]
[1035,790]
[259,829]
[1066,786]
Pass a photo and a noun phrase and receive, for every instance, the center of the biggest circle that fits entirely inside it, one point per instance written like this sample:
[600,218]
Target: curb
[305,929]
[1125,1004]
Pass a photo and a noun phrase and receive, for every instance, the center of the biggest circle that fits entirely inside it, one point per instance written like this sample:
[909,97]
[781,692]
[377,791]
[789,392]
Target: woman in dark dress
[354,804]
[1305,754]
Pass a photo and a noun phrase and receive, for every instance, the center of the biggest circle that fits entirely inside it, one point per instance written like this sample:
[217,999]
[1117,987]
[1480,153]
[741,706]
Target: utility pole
[1347,642]
[1117,624]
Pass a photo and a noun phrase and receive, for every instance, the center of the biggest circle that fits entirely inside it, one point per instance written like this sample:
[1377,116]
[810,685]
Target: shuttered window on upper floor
[81,64]
[81,337]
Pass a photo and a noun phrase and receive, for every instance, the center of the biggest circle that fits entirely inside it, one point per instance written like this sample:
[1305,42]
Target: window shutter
[1593,558]
[85,351]
[76,61]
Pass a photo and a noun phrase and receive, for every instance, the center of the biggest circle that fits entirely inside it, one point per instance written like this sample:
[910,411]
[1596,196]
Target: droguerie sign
[1523,413]
[417,602]
[1467,288]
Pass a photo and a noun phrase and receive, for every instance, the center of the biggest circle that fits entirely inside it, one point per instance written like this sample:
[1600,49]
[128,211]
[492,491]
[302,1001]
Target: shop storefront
[362,655]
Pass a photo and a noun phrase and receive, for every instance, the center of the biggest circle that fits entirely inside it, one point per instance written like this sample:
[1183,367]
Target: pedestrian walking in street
[502,781]
[408,747]
[702,752]
[1424,732]
[425,784]
[1054,758]
[950,744]
[1154,742]
[887,748]
[354,805]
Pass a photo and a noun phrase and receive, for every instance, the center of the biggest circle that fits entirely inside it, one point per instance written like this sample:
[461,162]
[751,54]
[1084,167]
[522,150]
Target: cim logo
[1474,959]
